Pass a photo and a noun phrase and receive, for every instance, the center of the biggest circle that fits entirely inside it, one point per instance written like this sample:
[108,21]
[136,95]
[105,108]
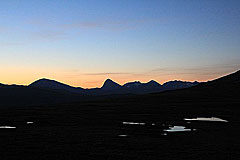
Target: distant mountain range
[45,91]
[111,87]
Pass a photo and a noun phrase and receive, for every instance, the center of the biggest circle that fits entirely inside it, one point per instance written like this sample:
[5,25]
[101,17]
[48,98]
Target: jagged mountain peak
[131,84]
[177,84]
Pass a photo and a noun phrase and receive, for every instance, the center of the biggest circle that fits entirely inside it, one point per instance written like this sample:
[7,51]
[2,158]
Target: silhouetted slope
[52,84]
[221,88]
[226,86]
[228,80]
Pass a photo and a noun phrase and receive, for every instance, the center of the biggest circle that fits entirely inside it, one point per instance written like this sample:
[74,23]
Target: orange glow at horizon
[25,76]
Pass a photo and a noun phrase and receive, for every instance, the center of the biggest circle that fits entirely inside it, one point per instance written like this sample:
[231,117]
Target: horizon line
[120,83]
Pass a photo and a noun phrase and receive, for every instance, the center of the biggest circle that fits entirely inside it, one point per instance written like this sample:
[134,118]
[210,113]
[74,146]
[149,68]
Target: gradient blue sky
[83,42]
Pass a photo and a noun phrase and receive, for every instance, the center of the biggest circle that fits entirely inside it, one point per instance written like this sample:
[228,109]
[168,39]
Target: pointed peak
[108,80]
[110,85]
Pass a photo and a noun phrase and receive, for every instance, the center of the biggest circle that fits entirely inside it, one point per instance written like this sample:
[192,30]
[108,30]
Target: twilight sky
[83,42]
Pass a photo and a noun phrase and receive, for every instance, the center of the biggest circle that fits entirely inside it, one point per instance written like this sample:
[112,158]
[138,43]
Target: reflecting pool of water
[7,127]
[215,119]
[122,135]
[134,123]
[177,129]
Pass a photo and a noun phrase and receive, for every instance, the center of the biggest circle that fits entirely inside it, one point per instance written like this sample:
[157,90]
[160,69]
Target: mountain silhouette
[228,86]
[132,84]
[172,85]
[89,116]
[231,79]
[52,84]
[45,91]
[153,83]
[110,85]
[142,88]
[222,88]
[136,84]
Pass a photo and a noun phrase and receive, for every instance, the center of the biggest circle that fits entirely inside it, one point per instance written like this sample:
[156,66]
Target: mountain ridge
[14,95]
[53,84]
[136,87]
[111,87]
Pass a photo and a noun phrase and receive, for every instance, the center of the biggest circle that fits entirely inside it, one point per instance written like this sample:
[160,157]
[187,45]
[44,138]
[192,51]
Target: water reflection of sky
[7,127]
[215,119]
[177,129]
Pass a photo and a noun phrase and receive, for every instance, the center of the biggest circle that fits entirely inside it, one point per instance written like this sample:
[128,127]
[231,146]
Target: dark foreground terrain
[95,129]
